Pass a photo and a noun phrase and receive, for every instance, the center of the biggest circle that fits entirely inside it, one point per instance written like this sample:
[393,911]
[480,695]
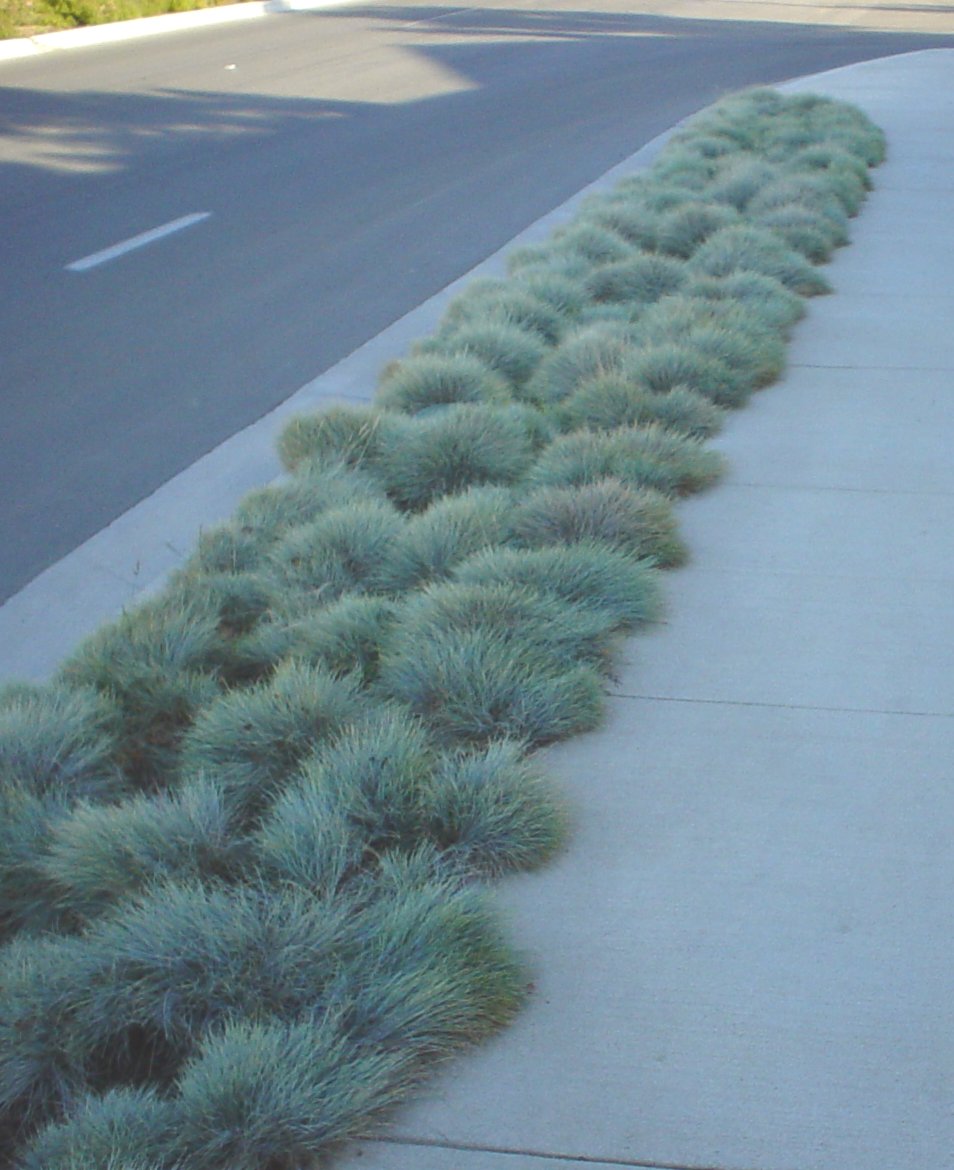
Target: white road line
[139,241]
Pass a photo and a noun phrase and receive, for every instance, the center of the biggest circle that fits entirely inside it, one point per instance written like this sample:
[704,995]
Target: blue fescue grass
[452,528]
[492,810]
[638,521]
[343,637]
[42,1069]
[607,401]
[243,834]
[158,665]
[59,740]
[641,279]
[124,1129]
[349,435]
[340,552]
[455,449]
[27,822]
[584,353]
[249,741]
[100,854]
[510,304]
[642,456]
[587,574]
[508,349]
[426,380]
[481,662]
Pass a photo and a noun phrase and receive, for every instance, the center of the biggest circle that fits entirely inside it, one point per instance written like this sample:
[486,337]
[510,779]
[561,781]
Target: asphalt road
[352,162]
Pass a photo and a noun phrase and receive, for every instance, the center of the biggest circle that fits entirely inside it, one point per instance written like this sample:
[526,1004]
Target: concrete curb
[128,30]
[133,556]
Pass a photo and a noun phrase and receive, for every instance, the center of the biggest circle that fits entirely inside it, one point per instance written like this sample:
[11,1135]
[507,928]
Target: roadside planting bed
[246,832]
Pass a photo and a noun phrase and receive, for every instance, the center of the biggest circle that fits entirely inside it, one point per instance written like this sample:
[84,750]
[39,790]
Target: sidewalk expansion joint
[874,369]
[545,1155]
[823,487]
[785,706]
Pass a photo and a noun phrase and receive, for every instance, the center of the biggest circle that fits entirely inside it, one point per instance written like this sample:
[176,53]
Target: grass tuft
[752,249]
[458,448]
[100,854]
[251,741]
[638,521]
[642,279]
[493,811]
[484,662]
[608,401]
[124,1129]
[506,349]
[158,665]
[589,575]
[510,304]
[584,353]
[426,380]
[339,434]
[644,456]
[449,530]
[59,740]
[338,553]
[343,637]
[679,232]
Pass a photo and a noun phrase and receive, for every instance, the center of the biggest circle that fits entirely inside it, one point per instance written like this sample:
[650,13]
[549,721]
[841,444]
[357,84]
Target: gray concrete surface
[744,959]
[351,162]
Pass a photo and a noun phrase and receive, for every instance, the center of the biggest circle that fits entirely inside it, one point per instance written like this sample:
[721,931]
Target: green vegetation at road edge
[247,831]
[26,18]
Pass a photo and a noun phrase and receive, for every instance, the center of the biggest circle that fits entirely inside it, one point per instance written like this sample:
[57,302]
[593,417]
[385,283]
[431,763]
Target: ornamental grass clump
[158,665]
[608,401]
[641,456]
[638,521]
[679,232]
[509,303]
[492,811]
[59,740]
[591,244]
[264,1091]
[251,741]
[450,529]
[42,1071]
[123,1129]
[343,637]
[589,575]
[507,349]
[316,488]
[100,854]
[583,354]
[455,449]
[27,822]
[427,380]
[664,366]
[752,249]
[373,773]
[349,435]
[635,222]
[340,552]
[642,279]
[479,663]
[763,298]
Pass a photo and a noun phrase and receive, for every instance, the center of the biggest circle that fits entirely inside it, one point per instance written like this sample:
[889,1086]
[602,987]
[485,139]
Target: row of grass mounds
[246,831]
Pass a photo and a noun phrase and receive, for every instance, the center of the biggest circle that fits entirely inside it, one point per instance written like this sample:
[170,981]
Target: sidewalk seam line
[784,706]
[513,1151]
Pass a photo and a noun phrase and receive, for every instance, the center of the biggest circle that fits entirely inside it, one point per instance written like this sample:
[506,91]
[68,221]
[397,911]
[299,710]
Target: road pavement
[346,165]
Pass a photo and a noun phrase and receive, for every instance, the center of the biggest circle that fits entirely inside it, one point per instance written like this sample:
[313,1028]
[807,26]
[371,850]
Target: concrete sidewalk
[746,958]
